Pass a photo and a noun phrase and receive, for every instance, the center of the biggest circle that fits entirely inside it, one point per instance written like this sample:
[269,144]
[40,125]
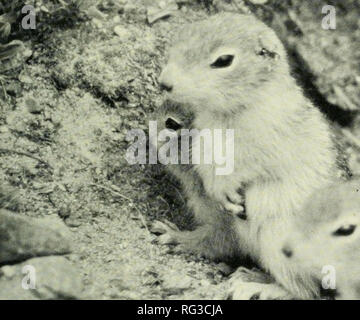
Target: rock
[122,32]
[116,19]
[22,237]
[40,279]
[14,89]
[129,8]
[24,78]
[176,283]
[98,23]
[72,222]
[258,1]
[205,283]
[8,272]
[33,106]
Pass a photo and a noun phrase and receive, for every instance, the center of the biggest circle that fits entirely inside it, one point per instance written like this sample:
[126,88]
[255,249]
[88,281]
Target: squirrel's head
[325,237]
[172,118]
[222,62]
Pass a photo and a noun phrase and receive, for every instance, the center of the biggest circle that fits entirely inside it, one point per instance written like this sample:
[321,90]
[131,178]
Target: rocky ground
[86,76]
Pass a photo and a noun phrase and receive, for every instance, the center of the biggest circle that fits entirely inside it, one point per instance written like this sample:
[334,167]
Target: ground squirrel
[324,239]
[230,71]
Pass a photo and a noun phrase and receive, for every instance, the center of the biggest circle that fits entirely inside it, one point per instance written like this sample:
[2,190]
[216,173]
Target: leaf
[154,14]
[5,29]
[9,50]
[95,13]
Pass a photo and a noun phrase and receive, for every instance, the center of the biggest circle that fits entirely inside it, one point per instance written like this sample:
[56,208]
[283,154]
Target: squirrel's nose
[173,124]
[166,86]
[286,250]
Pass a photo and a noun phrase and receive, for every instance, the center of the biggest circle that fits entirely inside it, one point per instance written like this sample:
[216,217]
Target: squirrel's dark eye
[223,61]
[173,124]
[345,231]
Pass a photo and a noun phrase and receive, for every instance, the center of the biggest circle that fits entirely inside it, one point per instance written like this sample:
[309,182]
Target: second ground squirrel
[324,239]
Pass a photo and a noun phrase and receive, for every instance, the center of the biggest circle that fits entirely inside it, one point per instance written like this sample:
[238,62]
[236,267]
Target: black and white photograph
[179,150]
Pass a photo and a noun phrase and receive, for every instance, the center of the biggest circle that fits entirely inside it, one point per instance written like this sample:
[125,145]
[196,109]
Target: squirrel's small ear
[267,47]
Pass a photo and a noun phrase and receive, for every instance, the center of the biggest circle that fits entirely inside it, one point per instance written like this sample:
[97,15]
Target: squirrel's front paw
[167,232]
[258,291]
[244,285]
[179,242]
[229,193]
[232,201]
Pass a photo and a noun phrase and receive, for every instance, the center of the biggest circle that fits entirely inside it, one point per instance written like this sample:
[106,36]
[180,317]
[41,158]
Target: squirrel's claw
[166,239]
[258,291]
[163,227]
[235,197]
[234,208]
[254,285]
[234,203]
[167,232]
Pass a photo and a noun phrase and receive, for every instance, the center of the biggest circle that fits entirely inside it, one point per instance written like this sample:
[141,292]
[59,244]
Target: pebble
[122,32]
[33,106]
[174,281]
[7,272]
[258,1]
